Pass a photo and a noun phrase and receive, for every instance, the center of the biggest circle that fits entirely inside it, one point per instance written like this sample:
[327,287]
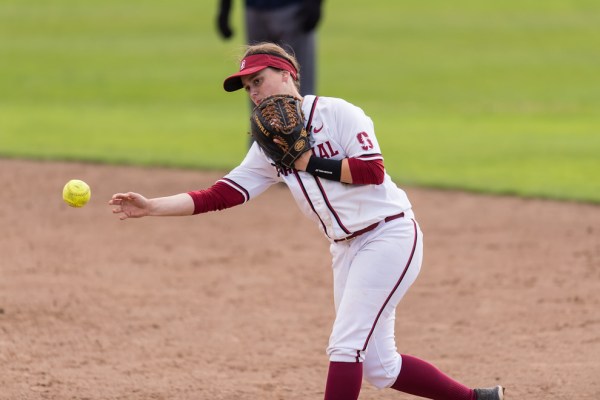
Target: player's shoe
[495,393]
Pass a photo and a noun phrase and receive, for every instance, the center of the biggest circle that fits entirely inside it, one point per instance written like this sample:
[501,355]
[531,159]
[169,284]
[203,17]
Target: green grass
[499,97]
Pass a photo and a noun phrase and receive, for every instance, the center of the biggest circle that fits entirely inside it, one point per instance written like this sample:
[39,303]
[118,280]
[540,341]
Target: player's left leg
[384,367]
[420,378]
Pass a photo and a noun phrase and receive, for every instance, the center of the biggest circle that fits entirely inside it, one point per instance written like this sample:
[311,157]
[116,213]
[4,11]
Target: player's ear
[285,76]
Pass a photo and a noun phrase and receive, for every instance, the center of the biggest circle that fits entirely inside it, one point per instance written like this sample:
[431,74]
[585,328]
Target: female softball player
[376,242]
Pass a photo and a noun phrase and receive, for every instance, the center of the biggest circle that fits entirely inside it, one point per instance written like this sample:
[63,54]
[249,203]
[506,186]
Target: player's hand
[224,28]
[130,205]
[310,14]
[223,19]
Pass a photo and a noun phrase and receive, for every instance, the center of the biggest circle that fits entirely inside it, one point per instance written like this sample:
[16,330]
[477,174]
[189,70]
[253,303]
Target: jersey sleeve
[366,172]
[217,197]
[253,176]
[356,133]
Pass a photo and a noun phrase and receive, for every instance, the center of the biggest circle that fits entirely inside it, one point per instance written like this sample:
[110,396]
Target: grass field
[500,97]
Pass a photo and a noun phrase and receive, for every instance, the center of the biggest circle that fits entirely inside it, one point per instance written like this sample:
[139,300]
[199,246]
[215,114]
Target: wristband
[325,168]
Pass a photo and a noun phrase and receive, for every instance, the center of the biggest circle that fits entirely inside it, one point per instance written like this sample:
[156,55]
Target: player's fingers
[124,196]
[116,199]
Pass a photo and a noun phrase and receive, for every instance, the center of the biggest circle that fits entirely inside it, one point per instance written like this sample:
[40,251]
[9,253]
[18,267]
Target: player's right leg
[371,275]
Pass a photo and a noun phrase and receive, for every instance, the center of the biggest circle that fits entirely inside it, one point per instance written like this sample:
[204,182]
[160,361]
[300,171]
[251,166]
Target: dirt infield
[238,304]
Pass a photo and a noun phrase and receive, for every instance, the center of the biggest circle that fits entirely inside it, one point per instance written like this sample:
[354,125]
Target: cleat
[495,393]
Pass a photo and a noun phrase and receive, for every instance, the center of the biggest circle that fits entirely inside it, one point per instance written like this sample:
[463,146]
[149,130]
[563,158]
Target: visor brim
[234,82]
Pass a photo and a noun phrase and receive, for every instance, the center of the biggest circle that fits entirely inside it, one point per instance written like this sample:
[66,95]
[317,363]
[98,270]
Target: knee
[379,375]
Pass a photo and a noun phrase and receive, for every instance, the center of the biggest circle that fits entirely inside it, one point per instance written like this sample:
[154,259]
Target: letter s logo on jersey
[365,142]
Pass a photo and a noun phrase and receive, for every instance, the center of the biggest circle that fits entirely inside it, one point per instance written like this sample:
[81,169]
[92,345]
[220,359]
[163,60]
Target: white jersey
[338,130]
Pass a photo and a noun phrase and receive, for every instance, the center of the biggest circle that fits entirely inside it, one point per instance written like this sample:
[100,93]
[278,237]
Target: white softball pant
[371,274]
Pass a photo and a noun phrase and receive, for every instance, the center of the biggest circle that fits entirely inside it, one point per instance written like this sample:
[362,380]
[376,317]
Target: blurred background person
[289,23]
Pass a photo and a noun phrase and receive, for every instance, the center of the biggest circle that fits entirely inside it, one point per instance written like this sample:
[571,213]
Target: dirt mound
[216,307]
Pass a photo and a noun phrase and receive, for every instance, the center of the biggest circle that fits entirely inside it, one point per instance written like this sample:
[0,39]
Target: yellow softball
[76,193]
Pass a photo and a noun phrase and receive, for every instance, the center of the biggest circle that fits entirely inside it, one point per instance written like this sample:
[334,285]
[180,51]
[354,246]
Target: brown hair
[274,50]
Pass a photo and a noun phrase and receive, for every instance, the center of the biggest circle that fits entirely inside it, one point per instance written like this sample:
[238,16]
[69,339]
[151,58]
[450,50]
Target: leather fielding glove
[277,126]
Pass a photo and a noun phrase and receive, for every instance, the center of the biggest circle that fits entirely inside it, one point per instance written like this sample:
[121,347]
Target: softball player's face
[265,83]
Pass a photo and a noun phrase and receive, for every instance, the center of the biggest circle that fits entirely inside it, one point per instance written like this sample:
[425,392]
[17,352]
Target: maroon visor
[255,63]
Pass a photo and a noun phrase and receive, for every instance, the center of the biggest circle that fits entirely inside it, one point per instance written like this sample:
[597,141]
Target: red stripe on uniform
[307,197]
[238,187]
[312,112]
[330,207]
